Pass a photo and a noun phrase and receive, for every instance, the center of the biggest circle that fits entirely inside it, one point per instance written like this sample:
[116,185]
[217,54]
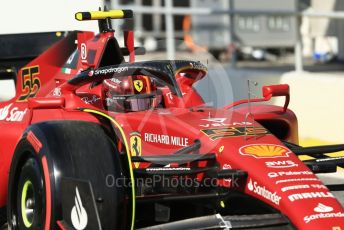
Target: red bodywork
[275,175]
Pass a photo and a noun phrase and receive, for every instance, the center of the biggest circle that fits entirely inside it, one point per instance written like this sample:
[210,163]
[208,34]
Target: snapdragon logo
[110,70]
[78,215]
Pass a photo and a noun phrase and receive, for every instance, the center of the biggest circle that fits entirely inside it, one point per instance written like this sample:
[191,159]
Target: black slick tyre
[48,153]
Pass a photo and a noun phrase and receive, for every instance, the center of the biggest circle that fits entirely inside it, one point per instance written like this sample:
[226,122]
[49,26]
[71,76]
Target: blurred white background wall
[26,16]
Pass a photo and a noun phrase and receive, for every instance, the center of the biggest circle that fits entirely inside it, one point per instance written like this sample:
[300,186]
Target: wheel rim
[28,203]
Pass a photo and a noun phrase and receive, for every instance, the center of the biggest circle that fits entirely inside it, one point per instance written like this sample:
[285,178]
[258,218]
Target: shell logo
[264,151]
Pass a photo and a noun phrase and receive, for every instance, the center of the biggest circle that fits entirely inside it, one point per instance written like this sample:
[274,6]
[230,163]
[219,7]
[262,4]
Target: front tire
[3,219]
[52,151]
[26,195]
[30,196]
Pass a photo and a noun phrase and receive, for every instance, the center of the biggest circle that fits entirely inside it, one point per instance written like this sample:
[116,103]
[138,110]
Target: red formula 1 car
[93,140]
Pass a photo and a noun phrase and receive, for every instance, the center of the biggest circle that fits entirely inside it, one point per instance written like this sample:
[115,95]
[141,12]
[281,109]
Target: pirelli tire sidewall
[24,153]
[71,149]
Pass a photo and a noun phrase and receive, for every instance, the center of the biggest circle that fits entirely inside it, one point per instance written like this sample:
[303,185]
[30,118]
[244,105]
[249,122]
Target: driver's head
[130,94]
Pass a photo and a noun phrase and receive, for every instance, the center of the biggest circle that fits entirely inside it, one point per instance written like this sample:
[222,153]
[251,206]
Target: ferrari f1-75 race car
[94,140]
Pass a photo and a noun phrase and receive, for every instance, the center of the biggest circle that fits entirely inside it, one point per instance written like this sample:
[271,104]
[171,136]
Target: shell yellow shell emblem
[138,84]
[265,150]
[135,146]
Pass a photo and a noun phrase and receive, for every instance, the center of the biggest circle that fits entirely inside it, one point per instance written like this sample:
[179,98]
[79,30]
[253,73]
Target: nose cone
[277,177]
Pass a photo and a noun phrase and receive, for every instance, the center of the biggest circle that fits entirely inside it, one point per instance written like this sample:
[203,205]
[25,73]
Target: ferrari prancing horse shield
[135,146]
[138,84]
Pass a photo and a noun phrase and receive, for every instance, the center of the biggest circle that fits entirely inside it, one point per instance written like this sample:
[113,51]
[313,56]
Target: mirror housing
[270,91]
[276,90]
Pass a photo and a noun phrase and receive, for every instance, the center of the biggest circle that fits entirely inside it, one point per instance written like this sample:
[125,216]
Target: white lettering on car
[110,70]
[281,164]
[220,122]
[91,100]
[166,139]
[297,180]
[309,195]
[254,187]
[303,186]
[289,173]
[323,212]
[13,115]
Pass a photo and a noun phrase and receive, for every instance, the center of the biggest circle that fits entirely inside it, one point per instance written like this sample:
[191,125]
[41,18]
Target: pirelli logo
[217,133]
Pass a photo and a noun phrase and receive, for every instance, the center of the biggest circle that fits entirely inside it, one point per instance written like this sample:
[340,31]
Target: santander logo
[323,208]
[262,191]
[12,114]
[323,212]
[4,112]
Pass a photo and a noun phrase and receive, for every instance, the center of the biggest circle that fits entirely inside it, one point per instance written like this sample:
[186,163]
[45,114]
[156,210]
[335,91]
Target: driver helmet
[130,94]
